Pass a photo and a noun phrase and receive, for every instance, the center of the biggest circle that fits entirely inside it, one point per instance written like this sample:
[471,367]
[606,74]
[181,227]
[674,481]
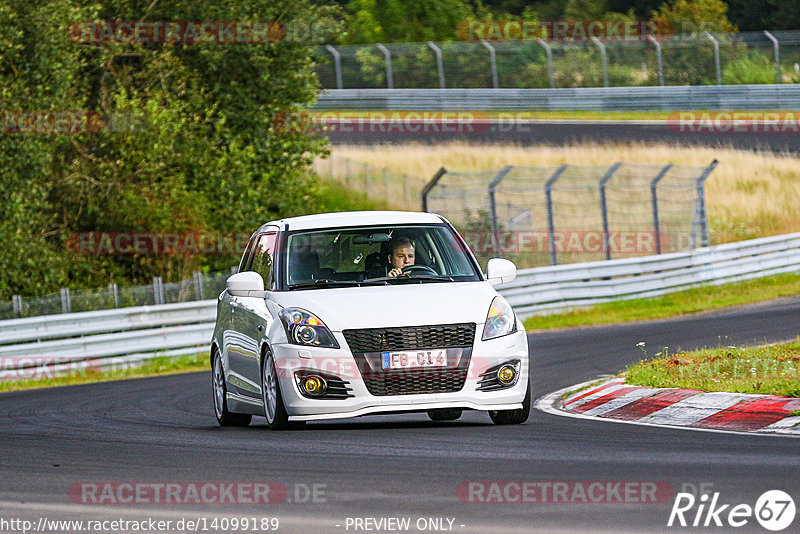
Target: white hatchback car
[347,314]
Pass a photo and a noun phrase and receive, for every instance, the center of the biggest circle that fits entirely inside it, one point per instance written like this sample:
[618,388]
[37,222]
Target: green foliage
[754,67]
[693,16]
[192,140]
[585,9]
[394,21]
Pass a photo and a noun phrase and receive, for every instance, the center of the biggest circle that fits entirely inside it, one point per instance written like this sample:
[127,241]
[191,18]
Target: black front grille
[407,383]
[411,337]
[367,345]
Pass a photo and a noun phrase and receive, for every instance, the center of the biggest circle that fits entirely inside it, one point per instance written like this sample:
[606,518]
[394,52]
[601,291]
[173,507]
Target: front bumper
[341,363]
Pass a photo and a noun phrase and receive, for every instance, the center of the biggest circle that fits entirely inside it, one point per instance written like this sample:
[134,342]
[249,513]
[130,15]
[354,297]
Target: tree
[693,16]
[391,21]
[192,142]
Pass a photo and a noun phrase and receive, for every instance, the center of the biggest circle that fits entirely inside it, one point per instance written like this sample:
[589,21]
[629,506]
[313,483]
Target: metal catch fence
[698,58]
[396,190]
[199,287]
[574,213]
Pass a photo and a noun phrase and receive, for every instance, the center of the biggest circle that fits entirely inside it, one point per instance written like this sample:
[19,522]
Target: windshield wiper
[324,282]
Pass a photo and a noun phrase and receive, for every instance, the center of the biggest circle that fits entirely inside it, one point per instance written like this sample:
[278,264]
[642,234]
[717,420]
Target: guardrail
[42,345]
[543,289]
[38,347]
[668,98]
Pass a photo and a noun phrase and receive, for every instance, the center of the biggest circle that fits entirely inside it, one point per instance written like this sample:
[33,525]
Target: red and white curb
[614,400]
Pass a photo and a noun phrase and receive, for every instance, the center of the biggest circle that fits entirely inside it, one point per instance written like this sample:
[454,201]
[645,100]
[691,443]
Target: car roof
[355,218]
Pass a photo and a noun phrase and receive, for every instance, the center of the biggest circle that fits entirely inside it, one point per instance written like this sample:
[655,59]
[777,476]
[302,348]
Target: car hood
[395,305]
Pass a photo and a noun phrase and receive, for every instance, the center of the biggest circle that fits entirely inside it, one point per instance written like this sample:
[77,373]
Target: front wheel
[224,417]
[514,417]
[274,409]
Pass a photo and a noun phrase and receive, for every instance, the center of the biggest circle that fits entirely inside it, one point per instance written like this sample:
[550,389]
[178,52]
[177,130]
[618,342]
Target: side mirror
[246,284]
[500,271]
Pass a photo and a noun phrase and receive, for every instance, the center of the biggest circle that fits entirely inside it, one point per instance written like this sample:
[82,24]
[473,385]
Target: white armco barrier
[581,284]
[120,335]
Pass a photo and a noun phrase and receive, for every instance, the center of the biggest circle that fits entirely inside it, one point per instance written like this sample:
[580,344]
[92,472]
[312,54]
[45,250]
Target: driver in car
[401,255]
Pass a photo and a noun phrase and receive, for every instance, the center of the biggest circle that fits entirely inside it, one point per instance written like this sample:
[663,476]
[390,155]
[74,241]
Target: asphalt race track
[162,429]
[558,133]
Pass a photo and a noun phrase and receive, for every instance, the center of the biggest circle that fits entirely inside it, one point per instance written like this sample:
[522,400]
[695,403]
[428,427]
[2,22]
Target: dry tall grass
[749,195]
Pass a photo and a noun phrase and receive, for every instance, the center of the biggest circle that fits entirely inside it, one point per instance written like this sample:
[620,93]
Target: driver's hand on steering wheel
[396,271]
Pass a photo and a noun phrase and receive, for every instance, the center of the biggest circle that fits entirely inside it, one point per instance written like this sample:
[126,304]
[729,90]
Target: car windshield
[377,255]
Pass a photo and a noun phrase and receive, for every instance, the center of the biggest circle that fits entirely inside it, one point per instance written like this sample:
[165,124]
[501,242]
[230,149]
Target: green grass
[673,304]
[162,365]
[773,370]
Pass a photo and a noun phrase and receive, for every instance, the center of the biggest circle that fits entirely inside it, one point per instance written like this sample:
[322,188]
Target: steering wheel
[410,269]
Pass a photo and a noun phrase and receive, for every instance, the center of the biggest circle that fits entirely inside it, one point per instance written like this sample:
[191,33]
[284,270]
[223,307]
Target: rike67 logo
[774,510]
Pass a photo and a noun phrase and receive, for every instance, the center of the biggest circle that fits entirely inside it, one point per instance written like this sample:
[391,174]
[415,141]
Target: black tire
[220,396]
[514,417]
[274,409]
[444,414]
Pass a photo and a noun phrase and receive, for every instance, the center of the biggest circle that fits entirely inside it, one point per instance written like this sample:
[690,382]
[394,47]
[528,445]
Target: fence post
[700,216]
[386,184]
[158,290]
[604,206]
[658,59]
[551,227]
[337,65]
[406,196]
[388,57]
[492,62]
[603,59]
[16,305]
[492,204]
[549,52]
[716,57]
[198,285]
[430,185]
[112,288]
[776,47]
[439,63]
[66,304]
[654,199]
[366,179]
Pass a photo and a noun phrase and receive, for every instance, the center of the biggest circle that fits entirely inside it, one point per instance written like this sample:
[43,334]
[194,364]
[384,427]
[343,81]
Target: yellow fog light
[314,385]
[506,374]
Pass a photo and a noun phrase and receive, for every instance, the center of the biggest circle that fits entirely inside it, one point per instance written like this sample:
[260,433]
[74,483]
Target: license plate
[414,359]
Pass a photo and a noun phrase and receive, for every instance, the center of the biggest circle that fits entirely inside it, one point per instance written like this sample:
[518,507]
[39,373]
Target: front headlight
[305,328]
[500,320]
